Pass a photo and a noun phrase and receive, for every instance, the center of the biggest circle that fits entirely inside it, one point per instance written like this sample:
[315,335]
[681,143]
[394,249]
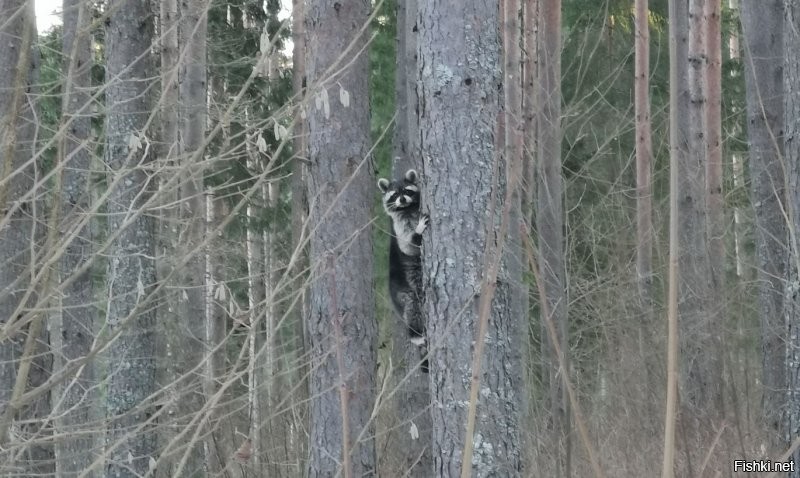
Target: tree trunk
[296,343]
[74,322]
[550,220]
[19,236]
[168,321]
[715,201]
[341,322]
[644,159]
[410,438]
[459,88]
[678,29]
[191,306]
[131,275]
[763,47]
[529,103]
[791,70]
[698,385]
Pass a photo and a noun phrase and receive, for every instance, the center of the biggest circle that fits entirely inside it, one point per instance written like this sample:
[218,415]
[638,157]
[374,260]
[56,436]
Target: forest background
[194,257]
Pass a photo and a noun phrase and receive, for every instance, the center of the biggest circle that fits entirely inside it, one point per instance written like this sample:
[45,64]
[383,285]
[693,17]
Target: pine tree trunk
[644,159]
[715,201]
[341,322]
[297,343]
[131,275]
[74,322]
[20,211]
[191,309]
[700,385]
[550,220]
[460,96]
[763,64]
[530,87]
[168,323]
[790,425]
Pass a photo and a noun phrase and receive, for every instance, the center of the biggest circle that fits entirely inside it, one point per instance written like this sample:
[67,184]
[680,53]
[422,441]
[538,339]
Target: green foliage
[49,98]
[382,61]
[237,32]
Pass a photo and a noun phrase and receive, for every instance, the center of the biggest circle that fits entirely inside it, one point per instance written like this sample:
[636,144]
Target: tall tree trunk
[341,323]
[412,432]
[699,384]
[296,343]
[762,28]
[550,220]
[715,201]
[216,317]
[678,30]
[791,70]
[28,365]
[470,285]
[74,322]
[131,275]
[193,97]
[644,160]
[168,323]
[529,102]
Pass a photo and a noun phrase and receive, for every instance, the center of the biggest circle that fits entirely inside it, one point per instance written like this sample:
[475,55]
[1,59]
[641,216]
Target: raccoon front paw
[422,224]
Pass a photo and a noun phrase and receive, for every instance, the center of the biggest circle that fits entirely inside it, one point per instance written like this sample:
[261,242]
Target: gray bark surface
[763,66]
[700,386]
[790,422]
[341,325]
[192,308]
[131,274]
[296,342]
[459,87]
[550,219]
[74,332]
[20,233]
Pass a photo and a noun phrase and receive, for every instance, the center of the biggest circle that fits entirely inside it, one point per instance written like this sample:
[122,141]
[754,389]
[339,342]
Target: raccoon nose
[403,200]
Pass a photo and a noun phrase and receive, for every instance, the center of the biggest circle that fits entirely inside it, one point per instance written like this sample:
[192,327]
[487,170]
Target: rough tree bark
[460,96]
[193,93]
[550,220]
[341,322]
[762,30]
[73,324]
[131,274]
[20,234]
[790,425]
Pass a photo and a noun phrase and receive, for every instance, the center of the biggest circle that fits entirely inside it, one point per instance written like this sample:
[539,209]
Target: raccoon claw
[424,220]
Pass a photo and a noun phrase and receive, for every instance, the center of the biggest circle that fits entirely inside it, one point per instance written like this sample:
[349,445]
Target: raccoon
[401,201]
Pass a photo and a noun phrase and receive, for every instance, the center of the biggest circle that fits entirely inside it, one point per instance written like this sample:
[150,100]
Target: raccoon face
[400,195]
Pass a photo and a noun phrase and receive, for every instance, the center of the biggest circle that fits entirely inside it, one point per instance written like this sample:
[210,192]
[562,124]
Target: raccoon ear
[383,185]
[411,176]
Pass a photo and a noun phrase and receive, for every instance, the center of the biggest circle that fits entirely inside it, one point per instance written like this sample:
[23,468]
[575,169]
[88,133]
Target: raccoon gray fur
[401,201]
